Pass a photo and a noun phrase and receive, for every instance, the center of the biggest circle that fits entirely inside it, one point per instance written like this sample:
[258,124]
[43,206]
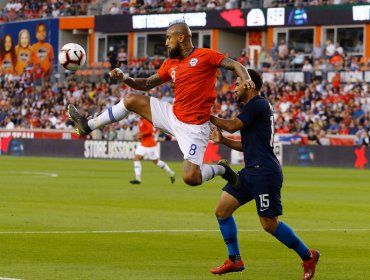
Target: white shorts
[148,152]
[192,138]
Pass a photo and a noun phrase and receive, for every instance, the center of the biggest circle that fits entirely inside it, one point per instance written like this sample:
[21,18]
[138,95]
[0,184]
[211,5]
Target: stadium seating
[76,8]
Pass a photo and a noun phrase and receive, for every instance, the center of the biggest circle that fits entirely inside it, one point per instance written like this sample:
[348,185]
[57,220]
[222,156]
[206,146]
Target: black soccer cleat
[80,122]
[173,178]
[229,174]
[135,182]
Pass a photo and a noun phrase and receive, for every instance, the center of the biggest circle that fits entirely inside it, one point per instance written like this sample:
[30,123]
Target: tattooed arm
[143,84]
[239,70]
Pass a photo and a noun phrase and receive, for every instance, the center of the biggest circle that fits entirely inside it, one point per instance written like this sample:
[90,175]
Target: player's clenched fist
[117,74]
[248,84]
[215,135]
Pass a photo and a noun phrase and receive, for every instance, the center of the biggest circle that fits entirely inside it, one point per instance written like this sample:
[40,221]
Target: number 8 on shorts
[193,149]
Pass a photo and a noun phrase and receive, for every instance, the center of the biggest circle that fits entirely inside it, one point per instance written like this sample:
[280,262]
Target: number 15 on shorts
[264,201]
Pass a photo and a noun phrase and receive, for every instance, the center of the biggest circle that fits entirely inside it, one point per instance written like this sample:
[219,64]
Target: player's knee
[191,180]
[129,101]
[268,228]
[221,213]
[269,224]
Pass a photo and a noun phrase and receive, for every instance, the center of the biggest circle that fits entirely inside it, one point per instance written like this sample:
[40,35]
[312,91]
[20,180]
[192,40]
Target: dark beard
[175,52]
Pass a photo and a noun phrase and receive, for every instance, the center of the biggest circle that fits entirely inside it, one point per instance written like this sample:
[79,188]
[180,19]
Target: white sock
[111,115]
[211,171]
[137,168]
[166,168]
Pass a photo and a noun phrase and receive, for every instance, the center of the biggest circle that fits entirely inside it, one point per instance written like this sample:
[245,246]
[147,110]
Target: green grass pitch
[88,222]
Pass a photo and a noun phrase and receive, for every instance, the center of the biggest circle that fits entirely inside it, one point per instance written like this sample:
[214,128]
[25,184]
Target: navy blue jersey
[258,137]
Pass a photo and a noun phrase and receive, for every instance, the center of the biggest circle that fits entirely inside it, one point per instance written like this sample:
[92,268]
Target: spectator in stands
[312,138]
[354,64]
[317,72]
[330,49]
[298,60]
[212,4]
[343,129]
[243,59]
[307,70]
[317,51]
[110,133]
[333,126]
[114,9]
[335,81]
[337,61]
[362,137]
[339,49]
[122,57]
[261,57]
[283,50]
[359,114]
[274,52]
[112,56]
[359,48]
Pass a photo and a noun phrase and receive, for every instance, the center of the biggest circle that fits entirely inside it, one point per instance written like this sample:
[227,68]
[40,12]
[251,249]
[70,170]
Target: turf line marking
[173,231]
[2,278]
[14,173]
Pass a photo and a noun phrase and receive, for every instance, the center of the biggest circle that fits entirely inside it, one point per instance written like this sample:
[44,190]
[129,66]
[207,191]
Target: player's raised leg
[131,103]
[225,207]
[193,141]
[194,175]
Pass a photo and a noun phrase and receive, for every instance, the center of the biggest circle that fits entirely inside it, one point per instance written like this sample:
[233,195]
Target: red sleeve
[163,72]
[215,57]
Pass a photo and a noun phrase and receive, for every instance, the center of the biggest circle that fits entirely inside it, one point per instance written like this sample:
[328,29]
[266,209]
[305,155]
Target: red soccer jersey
[194,78]
[147,129]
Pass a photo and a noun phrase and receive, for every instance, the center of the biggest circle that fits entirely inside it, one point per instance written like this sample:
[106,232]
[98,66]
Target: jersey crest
[193,62]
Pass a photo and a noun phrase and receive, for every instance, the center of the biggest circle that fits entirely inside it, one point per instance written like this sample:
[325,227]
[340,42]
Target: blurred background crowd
[29,9]
[318,106]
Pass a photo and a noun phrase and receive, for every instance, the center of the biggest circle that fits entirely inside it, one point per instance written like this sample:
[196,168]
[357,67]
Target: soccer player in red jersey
[148,147]
[193,73]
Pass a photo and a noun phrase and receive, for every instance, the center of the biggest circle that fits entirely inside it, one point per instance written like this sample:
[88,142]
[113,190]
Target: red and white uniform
[148,145]
[194,79]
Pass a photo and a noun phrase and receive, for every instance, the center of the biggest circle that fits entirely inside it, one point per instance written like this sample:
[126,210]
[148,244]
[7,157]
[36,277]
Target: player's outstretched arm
[217,137]
[239,69]
[231,125]
[143,84]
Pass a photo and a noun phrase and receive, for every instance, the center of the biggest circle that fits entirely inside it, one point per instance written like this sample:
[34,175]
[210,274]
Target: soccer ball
[72,56]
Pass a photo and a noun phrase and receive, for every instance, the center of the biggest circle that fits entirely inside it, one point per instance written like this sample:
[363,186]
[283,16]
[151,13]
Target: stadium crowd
[31,9]
[158,6]
[19,9]
[315,108]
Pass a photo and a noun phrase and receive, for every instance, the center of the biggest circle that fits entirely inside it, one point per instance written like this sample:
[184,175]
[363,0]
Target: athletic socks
[229,232]
[288,237]
[111,115]
[211,171]
[137,168]
[165,167]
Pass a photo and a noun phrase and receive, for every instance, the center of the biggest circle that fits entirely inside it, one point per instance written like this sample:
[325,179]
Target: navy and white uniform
[261,179]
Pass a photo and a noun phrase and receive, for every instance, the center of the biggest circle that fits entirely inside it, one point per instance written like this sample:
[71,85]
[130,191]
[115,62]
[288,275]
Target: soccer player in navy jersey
[261,179]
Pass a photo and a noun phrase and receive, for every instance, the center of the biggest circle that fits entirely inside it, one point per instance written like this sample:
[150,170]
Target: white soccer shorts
[150,152]
[192,138]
